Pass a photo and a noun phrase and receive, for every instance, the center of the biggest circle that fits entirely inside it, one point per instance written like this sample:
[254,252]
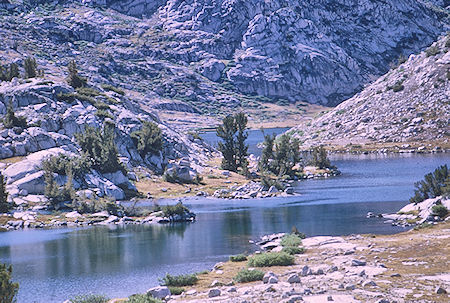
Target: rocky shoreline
[348,269]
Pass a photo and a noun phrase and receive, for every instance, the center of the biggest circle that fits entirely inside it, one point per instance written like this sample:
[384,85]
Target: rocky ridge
[408,104]
[204,57]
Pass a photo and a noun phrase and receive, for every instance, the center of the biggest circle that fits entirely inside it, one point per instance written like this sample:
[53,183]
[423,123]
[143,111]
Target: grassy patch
[245,276]
[141,298]
[181,280]
[271,259]
[238,258]
[89,299]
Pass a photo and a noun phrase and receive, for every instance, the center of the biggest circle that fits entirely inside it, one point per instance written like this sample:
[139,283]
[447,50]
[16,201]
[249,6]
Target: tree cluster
[148,139]
[233,148]
[319,158]
[280,156]
[433,185]
[99,147]
[7,73]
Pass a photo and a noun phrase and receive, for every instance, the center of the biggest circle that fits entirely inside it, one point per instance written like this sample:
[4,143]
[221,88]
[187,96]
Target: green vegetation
[238,258]
[149,139]
[319,158]
[291,240]
[233,148]
[73,79]
[4,205]
[30,67]
[170,211]
[103,114]
[181,280]
[295,231]
[8,289]
[10,120]
[271,259]
[439,210]
[8,73]
[141,298]
[433,185]
[174,290]
[99,148]
[89,299]
[280,157]
[293,250]
[433,51]
[109,87]
[246,275]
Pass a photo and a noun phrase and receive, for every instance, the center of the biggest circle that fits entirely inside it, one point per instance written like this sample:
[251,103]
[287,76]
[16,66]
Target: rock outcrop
[408,104]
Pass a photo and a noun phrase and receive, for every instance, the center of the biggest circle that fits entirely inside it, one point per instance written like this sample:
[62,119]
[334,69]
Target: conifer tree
[226,132]
[10,120]
[74,79]
[13,71]
[8,289]
[4,205]
[241,148]
[30,67]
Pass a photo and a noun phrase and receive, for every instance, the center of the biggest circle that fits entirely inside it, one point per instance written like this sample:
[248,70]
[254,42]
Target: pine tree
[149,139]
[226,132]
[267,153]
[13,71]
[8,289]
[30,67]
[320,157]
[4,205]
[73,79]
[241,148]
[11,120]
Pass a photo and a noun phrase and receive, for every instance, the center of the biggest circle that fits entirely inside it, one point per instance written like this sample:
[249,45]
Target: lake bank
[53,265]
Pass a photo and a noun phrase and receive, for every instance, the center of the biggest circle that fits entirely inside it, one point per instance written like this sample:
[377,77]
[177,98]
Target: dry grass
[12,160]
[213,179]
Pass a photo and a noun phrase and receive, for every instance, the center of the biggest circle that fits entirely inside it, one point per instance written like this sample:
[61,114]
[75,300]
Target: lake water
[53,265]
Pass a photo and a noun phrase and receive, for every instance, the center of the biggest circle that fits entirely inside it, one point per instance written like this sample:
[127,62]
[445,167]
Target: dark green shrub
[113,88]
[90,299]
[434,184]
[4,205]
[271,259]
[245,276]
[295,231]
[291,240]
[8,289]
[238,258]
[140,298]
[100,149]
[149,139]
[66,97]
[103,114]
[174,290]
[181,280]
[439,210]
[8,73]
[11,120]
[73,79]
[30,67]
[292,250]
[88,91]
[432,51]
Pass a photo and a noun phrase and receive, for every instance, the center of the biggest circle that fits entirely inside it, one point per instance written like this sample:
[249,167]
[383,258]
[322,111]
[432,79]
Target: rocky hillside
[209,57]
[52,121]
[409,104]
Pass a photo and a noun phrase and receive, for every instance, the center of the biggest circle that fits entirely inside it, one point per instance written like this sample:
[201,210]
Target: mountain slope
[210,57]
[411,103]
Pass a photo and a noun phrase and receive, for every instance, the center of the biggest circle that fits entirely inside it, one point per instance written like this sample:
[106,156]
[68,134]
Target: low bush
[295,231]
[103,114]
[432,51]
[181,280]
[175,290]
[11,120]
[149,139]
[271,259]
[238,258]
[291,250]
[439,210]
[66,97]
[170,211]
[113,89]
[140,298]
[90,299]
[245,276]
[291,240]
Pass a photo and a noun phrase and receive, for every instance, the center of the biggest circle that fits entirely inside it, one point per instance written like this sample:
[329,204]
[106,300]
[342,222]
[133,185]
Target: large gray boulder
[212,69]
[32,183]
[106,187]
[159,292]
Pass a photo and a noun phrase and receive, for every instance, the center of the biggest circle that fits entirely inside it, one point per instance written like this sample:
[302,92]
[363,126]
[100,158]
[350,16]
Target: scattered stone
[439,290]
[214,292]
[159,292]
[358,262]
[294,278]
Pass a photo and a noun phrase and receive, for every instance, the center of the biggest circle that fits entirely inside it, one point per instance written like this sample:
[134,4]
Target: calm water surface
[53,265]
